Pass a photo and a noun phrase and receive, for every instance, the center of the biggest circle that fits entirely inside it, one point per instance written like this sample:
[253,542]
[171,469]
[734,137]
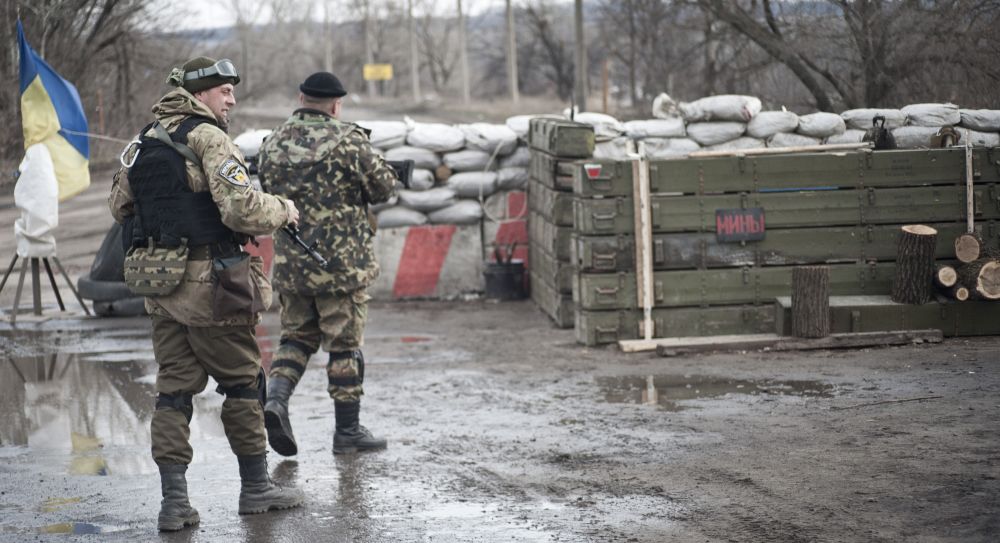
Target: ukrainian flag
[51,113]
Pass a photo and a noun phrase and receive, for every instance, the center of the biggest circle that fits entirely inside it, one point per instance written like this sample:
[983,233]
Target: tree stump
[914,280]
[811,301]
[968,247]
[982,278]
[945,276]
[958,292]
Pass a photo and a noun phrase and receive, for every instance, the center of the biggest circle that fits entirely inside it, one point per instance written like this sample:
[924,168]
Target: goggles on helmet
[224,68]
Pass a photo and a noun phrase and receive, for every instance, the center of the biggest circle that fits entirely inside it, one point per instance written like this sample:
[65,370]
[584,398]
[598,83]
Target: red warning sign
[593,170]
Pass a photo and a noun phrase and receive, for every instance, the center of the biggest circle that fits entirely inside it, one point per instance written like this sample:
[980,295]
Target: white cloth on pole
[36,194]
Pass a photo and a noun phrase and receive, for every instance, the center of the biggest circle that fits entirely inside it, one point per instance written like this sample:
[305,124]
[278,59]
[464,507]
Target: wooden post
[643,240]
[982,278]
[914,265]
[811,301]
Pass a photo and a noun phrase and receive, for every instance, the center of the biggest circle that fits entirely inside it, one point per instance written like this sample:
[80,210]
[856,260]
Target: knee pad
[179,402]
[258,391]
[345,380]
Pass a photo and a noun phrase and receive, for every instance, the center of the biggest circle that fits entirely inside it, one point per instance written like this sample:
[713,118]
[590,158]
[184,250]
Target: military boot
[258,493]
[175,510]
[349,435]
[279,428]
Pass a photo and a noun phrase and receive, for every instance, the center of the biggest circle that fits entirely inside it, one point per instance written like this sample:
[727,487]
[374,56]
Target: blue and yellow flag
[51,113]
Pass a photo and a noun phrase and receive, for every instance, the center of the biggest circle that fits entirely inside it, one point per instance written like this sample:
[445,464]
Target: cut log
[811,301]
[945,276]
[914,279]
[958,292]
[982,278]
[968,247]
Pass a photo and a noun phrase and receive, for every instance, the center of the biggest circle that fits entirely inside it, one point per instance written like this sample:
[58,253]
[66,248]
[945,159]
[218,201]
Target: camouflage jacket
[243,208]
[328,168]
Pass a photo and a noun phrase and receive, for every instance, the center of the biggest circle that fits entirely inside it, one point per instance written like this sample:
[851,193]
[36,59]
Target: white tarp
[715,133]
[655,128]
[932,114]
[491,138]
[436,137]
[386,134]
[821,124]
[36,194]
[768,123]
[723,107]
[984,120]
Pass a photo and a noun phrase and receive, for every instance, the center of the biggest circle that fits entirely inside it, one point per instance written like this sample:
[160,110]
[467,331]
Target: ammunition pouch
[238,286]
[155,271]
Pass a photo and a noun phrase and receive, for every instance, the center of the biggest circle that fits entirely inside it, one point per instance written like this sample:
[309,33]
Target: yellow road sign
[378,72]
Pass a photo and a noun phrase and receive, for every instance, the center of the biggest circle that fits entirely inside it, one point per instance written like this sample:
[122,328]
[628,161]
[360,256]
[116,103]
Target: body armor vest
[167,210]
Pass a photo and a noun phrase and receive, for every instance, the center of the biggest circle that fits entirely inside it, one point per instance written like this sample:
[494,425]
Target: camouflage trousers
[187,356]
[334,322]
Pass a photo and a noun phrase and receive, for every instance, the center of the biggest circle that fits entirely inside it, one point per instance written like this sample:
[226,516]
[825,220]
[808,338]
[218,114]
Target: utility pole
[414,61]
[580,88]
[327,38]
[463,54]
[369,54]
[515,95]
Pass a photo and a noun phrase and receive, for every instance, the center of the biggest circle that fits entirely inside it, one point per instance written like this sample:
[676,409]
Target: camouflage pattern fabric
[155,271]
[243,209]
[329,169]
[334,322]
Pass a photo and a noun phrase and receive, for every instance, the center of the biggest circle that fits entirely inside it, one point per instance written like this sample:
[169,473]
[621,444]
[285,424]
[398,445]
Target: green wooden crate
[819,208]
[555,272]
[562,138]
[554,205]
[880,313]
[559,307]
[596,291]
[780,247]
[555,240]
[602,327]
[551,171]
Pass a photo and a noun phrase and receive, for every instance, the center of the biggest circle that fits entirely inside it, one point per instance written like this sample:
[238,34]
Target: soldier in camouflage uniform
[330,170]
[191,340]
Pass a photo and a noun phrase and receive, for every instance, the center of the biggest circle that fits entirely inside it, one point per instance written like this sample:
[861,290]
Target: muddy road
[501,428]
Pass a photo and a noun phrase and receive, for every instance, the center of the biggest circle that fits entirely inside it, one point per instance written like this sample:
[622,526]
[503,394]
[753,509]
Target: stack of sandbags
[914,126]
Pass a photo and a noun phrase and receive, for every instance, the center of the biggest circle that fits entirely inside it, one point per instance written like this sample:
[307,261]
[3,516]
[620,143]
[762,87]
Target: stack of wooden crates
[555,145]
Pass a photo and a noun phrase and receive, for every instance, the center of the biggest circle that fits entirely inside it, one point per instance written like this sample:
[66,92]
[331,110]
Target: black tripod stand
[36,287]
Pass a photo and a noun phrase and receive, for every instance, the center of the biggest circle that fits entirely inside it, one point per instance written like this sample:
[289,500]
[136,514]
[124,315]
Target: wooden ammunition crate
[601,327]
[555,206]
[555,240]
[562,138]
[559,307]
[551,171]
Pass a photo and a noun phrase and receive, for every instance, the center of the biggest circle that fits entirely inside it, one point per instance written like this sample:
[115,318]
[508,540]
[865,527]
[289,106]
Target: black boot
[350,436]
[279,428]
[175,510]
[258,493]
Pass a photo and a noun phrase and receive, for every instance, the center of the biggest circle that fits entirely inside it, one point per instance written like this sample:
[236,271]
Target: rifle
[292,231]
[404,170]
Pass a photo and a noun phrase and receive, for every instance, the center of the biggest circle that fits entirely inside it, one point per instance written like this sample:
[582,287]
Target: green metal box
[602,327]
[562,138]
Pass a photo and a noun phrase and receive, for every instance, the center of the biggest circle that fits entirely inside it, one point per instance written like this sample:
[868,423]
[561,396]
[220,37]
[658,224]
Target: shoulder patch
[234,172]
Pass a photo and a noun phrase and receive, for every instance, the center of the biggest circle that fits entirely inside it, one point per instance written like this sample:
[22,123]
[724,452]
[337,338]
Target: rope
[482,201]
[96,136]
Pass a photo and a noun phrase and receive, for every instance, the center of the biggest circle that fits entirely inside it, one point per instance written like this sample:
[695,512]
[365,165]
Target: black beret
[322,85]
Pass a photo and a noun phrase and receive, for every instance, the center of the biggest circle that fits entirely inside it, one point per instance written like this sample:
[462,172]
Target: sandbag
[861,119]
[792,140]
[436,137]
[500,207]
[914,137]
[386,134]
[422,158]
[984,120]
[821,124]
[391,202]
[737,144]
[851,135]
[520,158]
[512,178]
[655,128]
[467,160]
[473,184]
[490,138]
[399,216]
[521,124]
[980,139]
[606,127]
[659,148]
[422,179]
[715,133]
[723,107]
[768,123]
[615,149]
[427,200]
[937,115]
[665,107]
[461,212]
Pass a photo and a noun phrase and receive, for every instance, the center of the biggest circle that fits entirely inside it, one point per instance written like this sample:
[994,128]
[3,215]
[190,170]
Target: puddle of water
[666,391]
[71,528]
